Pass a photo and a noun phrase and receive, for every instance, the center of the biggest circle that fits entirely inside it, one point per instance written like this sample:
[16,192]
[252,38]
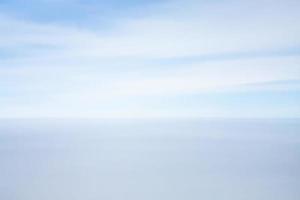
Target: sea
[143,159]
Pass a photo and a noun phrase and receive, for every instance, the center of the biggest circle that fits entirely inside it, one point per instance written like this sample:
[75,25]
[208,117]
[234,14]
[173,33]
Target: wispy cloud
[58,68]
[212,28]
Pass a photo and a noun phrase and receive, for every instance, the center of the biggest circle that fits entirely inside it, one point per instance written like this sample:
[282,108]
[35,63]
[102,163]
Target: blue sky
[144,59]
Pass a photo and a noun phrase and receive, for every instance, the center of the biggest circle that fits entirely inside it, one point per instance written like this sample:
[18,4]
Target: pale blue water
[149,160]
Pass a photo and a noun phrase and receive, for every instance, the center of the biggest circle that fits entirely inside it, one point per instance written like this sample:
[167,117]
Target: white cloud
[214,75]
[192,29]
[69,71]
[90,85]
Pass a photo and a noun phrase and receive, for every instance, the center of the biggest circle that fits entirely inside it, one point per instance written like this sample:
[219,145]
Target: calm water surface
[149,160]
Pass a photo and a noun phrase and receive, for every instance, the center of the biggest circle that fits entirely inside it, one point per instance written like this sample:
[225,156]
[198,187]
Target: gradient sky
[139,58]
